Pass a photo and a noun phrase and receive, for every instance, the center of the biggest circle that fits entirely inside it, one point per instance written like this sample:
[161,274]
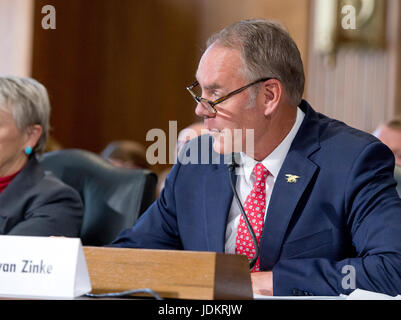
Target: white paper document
[359,294]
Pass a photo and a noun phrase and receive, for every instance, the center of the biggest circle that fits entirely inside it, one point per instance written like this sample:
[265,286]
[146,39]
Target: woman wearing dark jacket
[32,202]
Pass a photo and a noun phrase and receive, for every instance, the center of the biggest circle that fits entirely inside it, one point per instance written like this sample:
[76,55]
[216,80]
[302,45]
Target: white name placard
[42,267]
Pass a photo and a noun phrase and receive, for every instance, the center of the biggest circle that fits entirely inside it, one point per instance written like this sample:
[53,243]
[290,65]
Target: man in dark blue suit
[330,217]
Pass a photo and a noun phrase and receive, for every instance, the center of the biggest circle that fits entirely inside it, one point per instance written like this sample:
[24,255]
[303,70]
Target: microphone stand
[231,168]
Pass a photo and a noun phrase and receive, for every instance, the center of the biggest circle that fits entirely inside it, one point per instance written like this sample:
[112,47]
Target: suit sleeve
[55,212]
[157,227]
[373,215]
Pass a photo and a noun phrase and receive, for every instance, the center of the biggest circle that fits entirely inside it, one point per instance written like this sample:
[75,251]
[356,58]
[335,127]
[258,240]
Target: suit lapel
[283,202]
[286,194]
[217,202]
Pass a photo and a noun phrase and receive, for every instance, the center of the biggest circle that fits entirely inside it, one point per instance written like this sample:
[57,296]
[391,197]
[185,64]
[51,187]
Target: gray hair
[267,50]
[28,102]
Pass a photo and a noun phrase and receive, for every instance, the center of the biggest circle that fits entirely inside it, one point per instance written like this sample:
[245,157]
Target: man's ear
[272,92]
[32,135]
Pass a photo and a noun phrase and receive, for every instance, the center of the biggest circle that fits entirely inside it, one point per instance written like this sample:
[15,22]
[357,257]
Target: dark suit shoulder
[337,137]
[50,189]
[336,129]
[39,204]
[38,187]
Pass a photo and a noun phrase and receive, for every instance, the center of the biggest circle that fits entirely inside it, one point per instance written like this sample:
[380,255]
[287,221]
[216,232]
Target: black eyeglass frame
[212,104]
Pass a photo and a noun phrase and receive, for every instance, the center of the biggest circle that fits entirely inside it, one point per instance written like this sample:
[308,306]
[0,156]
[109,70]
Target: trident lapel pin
[291,178]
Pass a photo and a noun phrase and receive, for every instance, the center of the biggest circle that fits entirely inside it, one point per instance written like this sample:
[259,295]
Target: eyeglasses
[211,104]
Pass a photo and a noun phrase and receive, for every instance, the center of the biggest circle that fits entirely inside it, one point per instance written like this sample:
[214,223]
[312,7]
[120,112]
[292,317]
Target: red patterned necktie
[254,206]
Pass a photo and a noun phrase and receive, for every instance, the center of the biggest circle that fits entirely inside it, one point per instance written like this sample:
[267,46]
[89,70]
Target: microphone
[231,168]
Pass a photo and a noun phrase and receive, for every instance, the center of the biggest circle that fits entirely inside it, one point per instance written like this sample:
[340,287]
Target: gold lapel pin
[291,178]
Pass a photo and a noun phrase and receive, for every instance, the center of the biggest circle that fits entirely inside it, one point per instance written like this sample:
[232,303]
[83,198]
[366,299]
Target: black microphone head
[233,163]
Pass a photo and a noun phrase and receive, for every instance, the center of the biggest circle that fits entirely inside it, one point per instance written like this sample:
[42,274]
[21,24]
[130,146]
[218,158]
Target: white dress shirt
[246,179]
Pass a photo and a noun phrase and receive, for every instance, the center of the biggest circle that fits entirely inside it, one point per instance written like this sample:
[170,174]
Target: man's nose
[202,110]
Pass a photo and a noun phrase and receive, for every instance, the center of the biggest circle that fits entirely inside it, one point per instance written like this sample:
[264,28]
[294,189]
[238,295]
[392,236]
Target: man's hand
[262,283]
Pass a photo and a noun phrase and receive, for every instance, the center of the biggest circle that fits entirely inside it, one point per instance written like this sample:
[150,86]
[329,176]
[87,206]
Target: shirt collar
[274,160]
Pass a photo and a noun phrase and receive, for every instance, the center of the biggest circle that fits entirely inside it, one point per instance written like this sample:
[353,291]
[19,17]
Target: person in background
[32,202]
[390,134]
[52,144]
[161,179]
[126,154]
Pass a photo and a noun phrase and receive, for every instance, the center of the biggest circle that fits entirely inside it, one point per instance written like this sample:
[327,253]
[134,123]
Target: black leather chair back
[113,197]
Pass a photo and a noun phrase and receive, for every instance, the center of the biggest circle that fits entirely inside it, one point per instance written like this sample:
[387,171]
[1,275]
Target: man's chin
[222,147]
[225,143]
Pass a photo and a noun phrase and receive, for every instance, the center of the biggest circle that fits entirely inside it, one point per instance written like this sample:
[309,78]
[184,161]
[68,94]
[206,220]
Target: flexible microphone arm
[231,168]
